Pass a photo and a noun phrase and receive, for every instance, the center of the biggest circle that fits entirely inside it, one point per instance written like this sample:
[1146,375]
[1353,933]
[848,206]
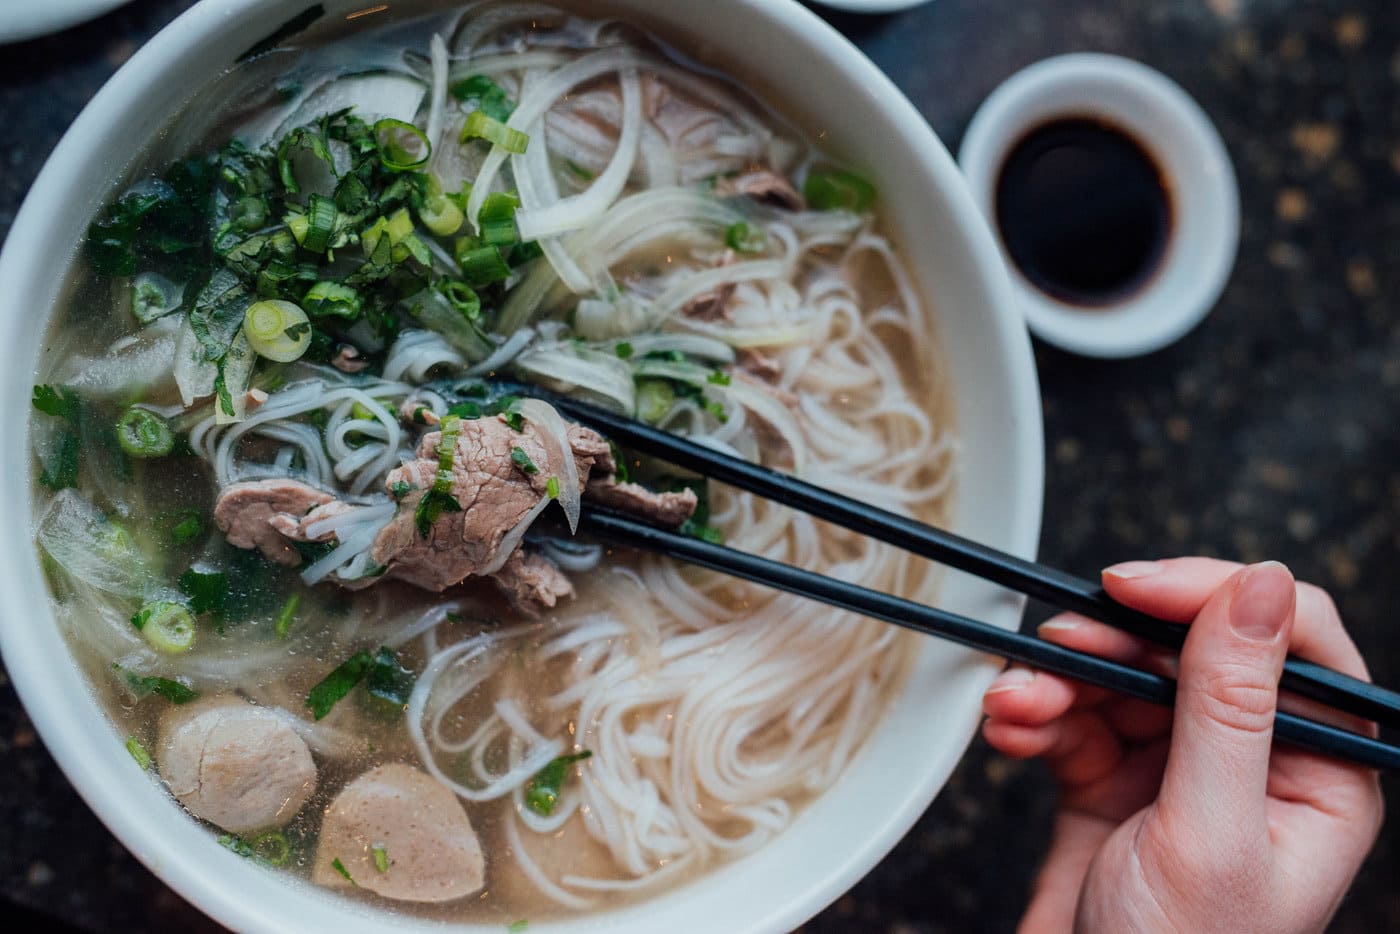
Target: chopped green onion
[490,97]
[248,214]
[745,239]
[579,171]
[272,847]
[517,927]
[339,867]
[718,378]
[381,857]
[138,752]
[515,420]
[287,615]
[401,488]
[655,398]
[319,224]
[153,296]
[333,687]
[188,529]
[142,433]
[497,219]
[58,401]
[838,190]
[277,330]
[542,792]
[174,691]
[388,680]
[623,350]
[480,126]
[481,265]
[207,590]
[439,499]
[167,626]
[551,488]
[461,297]
[402,146]
[441,215]
[328,299]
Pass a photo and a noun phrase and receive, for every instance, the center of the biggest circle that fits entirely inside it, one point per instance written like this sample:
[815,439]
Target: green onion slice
[441,215]
[167,626]
[402,146]
[138,752]
[481,265]
[272,848]
[838,190]
[321,214]
[142,433]
[542,792]
[655,398]
[480,126]
[278,330]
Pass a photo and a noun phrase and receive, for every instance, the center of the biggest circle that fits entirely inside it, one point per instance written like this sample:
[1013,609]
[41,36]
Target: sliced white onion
[554,435]
[512,539]
[583,209]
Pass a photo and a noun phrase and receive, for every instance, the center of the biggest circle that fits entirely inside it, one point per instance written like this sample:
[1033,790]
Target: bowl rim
[224,886]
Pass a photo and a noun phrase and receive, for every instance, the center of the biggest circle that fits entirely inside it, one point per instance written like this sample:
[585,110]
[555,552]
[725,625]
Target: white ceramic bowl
[827,86]
[25,20]
[1176,131]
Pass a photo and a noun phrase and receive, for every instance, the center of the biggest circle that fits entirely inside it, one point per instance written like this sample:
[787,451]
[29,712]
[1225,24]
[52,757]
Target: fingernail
[1012,679]
[1262,602]
[1062,624]
[1132,570]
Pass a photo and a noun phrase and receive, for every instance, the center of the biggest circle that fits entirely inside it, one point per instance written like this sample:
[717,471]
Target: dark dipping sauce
[1083,211]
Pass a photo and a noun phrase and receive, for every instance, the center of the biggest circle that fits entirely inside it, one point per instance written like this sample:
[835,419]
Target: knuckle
[1238,700]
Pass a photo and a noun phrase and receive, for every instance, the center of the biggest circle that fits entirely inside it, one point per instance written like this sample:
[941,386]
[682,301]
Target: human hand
[1188,819]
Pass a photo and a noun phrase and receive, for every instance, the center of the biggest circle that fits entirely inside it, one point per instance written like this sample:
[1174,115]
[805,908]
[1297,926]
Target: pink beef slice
[763,185]
[248,514]
[494,493]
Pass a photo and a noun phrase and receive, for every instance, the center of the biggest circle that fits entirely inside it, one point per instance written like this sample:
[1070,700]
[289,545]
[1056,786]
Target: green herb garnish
[334,686]
[520,459]
[339,867]
[542,791]
[138,752]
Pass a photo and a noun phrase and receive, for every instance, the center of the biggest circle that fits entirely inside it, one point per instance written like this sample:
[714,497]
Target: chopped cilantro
[519,458]
[339,867]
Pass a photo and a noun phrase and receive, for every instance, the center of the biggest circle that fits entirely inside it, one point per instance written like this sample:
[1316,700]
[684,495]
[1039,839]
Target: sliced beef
[245,513]
[759,365]
[532,583]
[714,304]
[348,359]
[430,850]
[763,185]
[670,508]
[495,494]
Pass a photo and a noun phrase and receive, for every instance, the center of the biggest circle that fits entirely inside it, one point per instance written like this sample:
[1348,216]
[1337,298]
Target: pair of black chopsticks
[1318,683]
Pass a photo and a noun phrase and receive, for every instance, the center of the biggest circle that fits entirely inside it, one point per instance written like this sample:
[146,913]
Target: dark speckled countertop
[1271,431]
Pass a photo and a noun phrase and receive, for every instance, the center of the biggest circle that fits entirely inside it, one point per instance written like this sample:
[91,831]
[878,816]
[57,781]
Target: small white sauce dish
[1176,132]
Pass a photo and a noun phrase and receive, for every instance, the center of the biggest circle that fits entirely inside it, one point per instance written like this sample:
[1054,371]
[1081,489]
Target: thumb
[1217,769]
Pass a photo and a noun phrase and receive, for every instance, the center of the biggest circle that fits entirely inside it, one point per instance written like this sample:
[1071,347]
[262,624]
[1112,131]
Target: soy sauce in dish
[1083,211]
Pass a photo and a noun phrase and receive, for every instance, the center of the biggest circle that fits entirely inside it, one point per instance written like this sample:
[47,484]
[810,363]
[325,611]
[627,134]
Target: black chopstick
[1307,679]
[1296,731]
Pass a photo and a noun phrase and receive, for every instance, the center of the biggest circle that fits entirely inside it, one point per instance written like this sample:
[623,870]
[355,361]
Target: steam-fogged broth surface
[288,514]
